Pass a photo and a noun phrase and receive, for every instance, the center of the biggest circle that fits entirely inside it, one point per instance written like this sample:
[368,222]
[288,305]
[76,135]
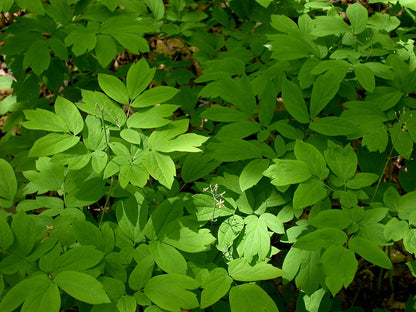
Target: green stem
[107,200]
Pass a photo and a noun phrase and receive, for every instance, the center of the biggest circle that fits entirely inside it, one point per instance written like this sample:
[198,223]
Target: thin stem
[107,200]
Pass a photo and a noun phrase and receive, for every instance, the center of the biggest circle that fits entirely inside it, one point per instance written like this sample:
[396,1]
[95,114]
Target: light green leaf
[273,222]
[82,287]
[288,171]
[370,252]
[215,286]
[70,113]
[136,44]
[171,292]
[294,101]
[321,238]
[138,78]
[264,3]
[229,230]
[155,96]
[365,76]
[52,143]
[203,208]
[257,239]
[100,105]
[339,266]
[168,258]
[329,25]
[288,47]
[8,183]
[292,262]
[406,205]
[161,167]
[114,88]
[309,193]
[241,270]
[361,180]
[143,270]
[184,234]
[252,173]
[153,117]
[183,143]
[80,258]
[250,298]
[99,160]
[312,157]
[41,119]
[358,16]
[341,161]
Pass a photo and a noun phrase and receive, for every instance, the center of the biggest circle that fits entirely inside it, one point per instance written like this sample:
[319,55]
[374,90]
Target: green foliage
[163,161]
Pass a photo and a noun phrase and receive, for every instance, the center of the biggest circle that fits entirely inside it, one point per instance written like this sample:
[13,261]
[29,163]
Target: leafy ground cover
[249,155]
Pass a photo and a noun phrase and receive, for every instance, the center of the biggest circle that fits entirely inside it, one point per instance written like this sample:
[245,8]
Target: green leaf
[401,140]
[284,24]
[184,234]
[37,57]
[309,193]
[105,50]
[341,161]
[19,292]
[294,101]
[224,114]
[153,117]
[52,143]
[143,270]
[82,287]
[198,165]
[358,16]
[49,176]
[81,40]
[292,262]
[288,47]
[241,270]
[168,258]
[133,42]
[229,230]
[370,252]
[203,208]
[409,241]
[325,88]
[365,76]
[321,238]
[288,171]
[171,292]
[79,258]
[264,3]
[70,113]
[249,298]
[257,239]
[6,235]
[48,301]
[234,150]
[273,222]
[114,88]
[41,119]
[99,160]
[127,304]
[406,205]
[339,266]
[160,167]
[331,218]
[8,183]
[252,173]
[329,25]
[312,157]
[100,105]
[361,180]
[215,286]
[183,143]
[155,96]
[138,78]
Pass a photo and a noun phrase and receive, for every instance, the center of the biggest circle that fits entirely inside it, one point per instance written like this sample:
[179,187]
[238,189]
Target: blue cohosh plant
[151,187]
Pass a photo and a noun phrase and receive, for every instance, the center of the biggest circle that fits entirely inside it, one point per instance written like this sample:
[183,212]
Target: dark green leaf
[224,114]
[8,183]
[294,101]
[105,49]
[6,235]
[365,76]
